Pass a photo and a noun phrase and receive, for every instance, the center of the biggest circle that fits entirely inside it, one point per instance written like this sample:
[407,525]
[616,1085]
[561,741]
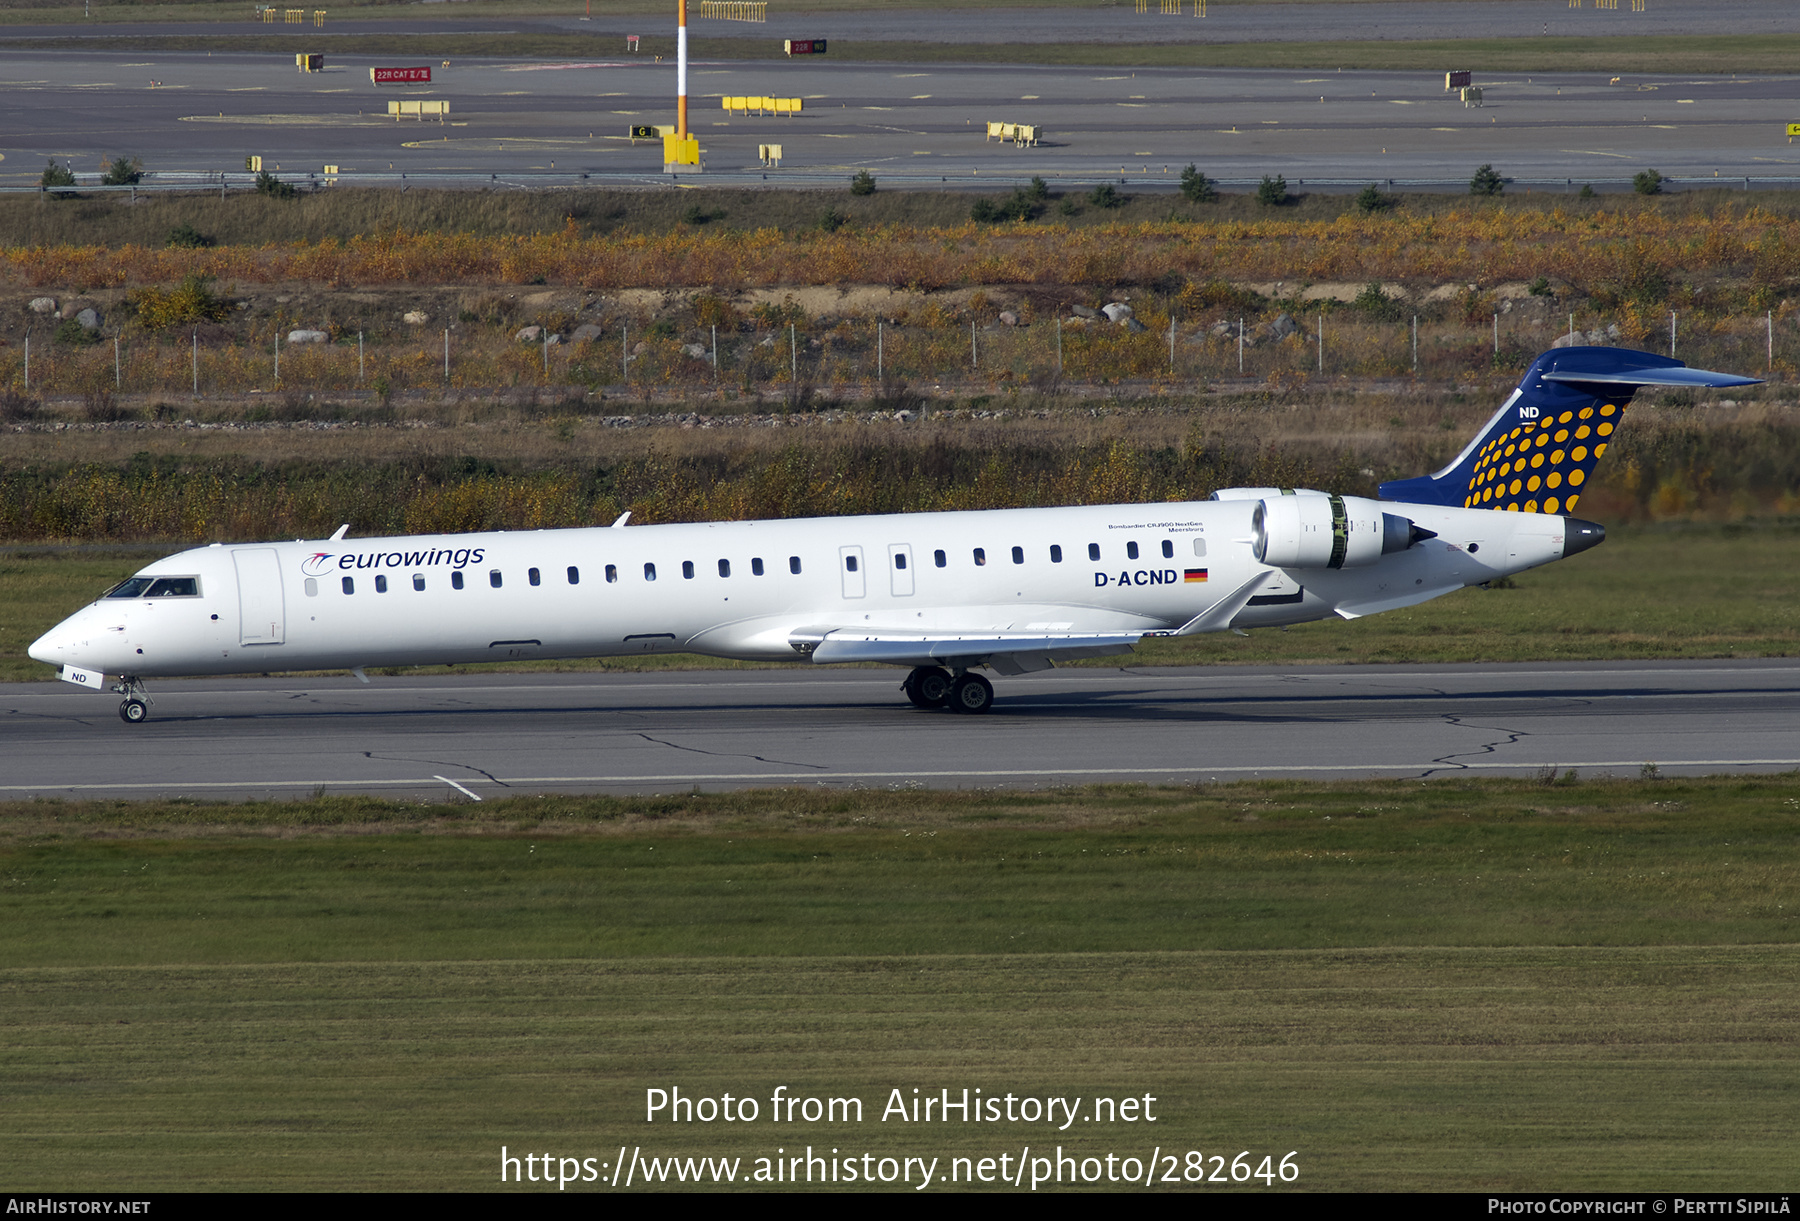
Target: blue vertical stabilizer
[1537,452]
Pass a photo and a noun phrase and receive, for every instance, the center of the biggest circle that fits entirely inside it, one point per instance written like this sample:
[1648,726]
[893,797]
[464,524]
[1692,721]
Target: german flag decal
[1194,575]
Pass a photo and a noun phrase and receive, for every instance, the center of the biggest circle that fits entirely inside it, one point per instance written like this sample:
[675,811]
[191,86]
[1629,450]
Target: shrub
[1586,192]
[1103,196]
[273,187]
[1272,192]
[123,172]
[1376,304]
[190,301]
[72,332]
[863,183]
[831,220]
[1540,287]
[1197,187]
[1487,181]
[1647,182]
[1068,207]
[1370,200]
[58,176]
[186,237]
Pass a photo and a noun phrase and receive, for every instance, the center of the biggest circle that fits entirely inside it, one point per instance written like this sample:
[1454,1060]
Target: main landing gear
[933,687]
[135,708]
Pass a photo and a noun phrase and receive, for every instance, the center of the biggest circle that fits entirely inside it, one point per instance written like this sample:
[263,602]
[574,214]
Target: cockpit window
[156,587]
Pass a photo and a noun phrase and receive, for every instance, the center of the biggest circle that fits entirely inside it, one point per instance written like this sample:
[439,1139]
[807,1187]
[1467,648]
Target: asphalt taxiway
[495,734]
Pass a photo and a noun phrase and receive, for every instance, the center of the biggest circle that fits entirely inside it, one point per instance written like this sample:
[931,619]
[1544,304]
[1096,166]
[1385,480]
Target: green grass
[1713,53]
[1673,591]
[1475,986]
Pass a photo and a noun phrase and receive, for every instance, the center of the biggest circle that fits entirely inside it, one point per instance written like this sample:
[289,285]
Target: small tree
[1272,192]
[1103,196]
[1370,200]
[1586,192]
[1039,190]
[1487,181]
[1197,187]
[123,172]
[273,187]
[186,237]
[58,175]
[863,183]
[1647,182]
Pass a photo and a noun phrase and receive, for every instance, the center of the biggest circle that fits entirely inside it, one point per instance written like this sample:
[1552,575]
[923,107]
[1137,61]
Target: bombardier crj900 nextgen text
[1011,590]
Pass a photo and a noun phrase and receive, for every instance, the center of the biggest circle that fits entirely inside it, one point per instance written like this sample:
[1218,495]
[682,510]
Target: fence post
[118,376]
[1496,334]
[715,346]
[1240,347]
[974,356]
[625,352]
[359,356]
[546,354]
[28,362]
[793,356]
[446,356]
[1321,341]
[1771,341]
[878,352]
[1415,344]
[1171,341]
[1059,364]
[277,355]
[1671,334]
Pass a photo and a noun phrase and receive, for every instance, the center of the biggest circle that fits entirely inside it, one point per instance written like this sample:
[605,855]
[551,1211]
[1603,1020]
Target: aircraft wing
[1007,652]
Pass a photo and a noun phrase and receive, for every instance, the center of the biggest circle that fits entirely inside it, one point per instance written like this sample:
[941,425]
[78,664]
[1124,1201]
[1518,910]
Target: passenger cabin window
[1055,553]
[349,585]
[494,577]
[456,580]
[724,568]
[574,575]
[312,588]
[980,556]
[380,585]
[687,569]
[612,574]
[1018,555]
[1168,549]
[531,576]
[418,580]
[1131,551]
[649,572]
[794,564]
[1093,551]
[756,567]
[1200,547]
[939,558]
[849,563]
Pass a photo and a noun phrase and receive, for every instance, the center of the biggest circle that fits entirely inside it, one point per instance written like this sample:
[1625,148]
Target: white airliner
[1010,590]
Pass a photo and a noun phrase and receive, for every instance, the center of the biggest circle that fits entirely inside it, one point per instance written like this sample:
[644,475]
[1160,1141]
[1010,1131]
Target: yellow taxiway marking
[920,97]
[248,89]
[907,76]
[1028,97]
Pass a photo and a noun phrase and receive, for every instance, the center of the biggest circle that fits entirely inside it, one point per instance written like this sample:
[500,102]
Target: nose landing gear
[135,708]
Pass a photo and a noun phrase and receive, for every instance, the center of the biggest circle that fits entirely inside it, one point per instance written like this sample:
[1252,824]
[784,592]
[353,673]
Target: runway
[507,734]
[514,123]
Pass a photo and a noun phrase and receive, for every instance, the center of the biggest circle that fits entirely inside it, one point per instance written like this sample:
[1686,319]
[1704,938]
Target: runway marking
[248,89]
[1428,765]
[1028,97]
[1594,152]
[920,97]
[459,788]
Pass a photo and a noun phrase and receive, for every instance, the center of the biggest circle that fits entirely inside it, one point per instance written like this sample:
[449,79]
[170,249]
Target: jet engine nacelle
[1328,532]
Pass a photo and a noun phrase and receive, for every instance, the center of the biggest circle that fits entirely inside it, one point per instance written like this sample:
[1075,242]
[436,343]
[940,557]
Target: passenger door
[262,617]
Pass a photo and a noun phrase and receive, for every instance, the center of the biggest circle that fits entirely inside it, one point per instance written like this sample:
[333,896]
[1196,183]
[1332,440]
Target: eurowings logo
[317,564]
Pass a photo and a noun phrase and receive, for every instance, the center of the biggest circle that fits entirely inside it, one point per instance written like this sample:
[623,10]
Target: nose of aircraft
[51,647]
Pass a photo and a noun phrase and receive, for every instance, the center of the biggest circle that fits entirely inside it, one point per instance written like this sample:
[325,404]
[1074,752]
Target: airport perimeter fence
[869,359]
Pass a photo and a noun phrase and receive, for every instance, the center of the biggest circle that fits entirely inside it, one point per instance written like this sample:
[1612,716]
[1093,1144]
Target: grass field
[1674,591]
[1475,986]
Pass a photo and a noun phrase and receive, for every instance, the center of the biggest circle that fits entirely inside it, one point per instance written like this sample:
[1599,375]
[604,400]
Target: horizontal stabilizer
[1681,377]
